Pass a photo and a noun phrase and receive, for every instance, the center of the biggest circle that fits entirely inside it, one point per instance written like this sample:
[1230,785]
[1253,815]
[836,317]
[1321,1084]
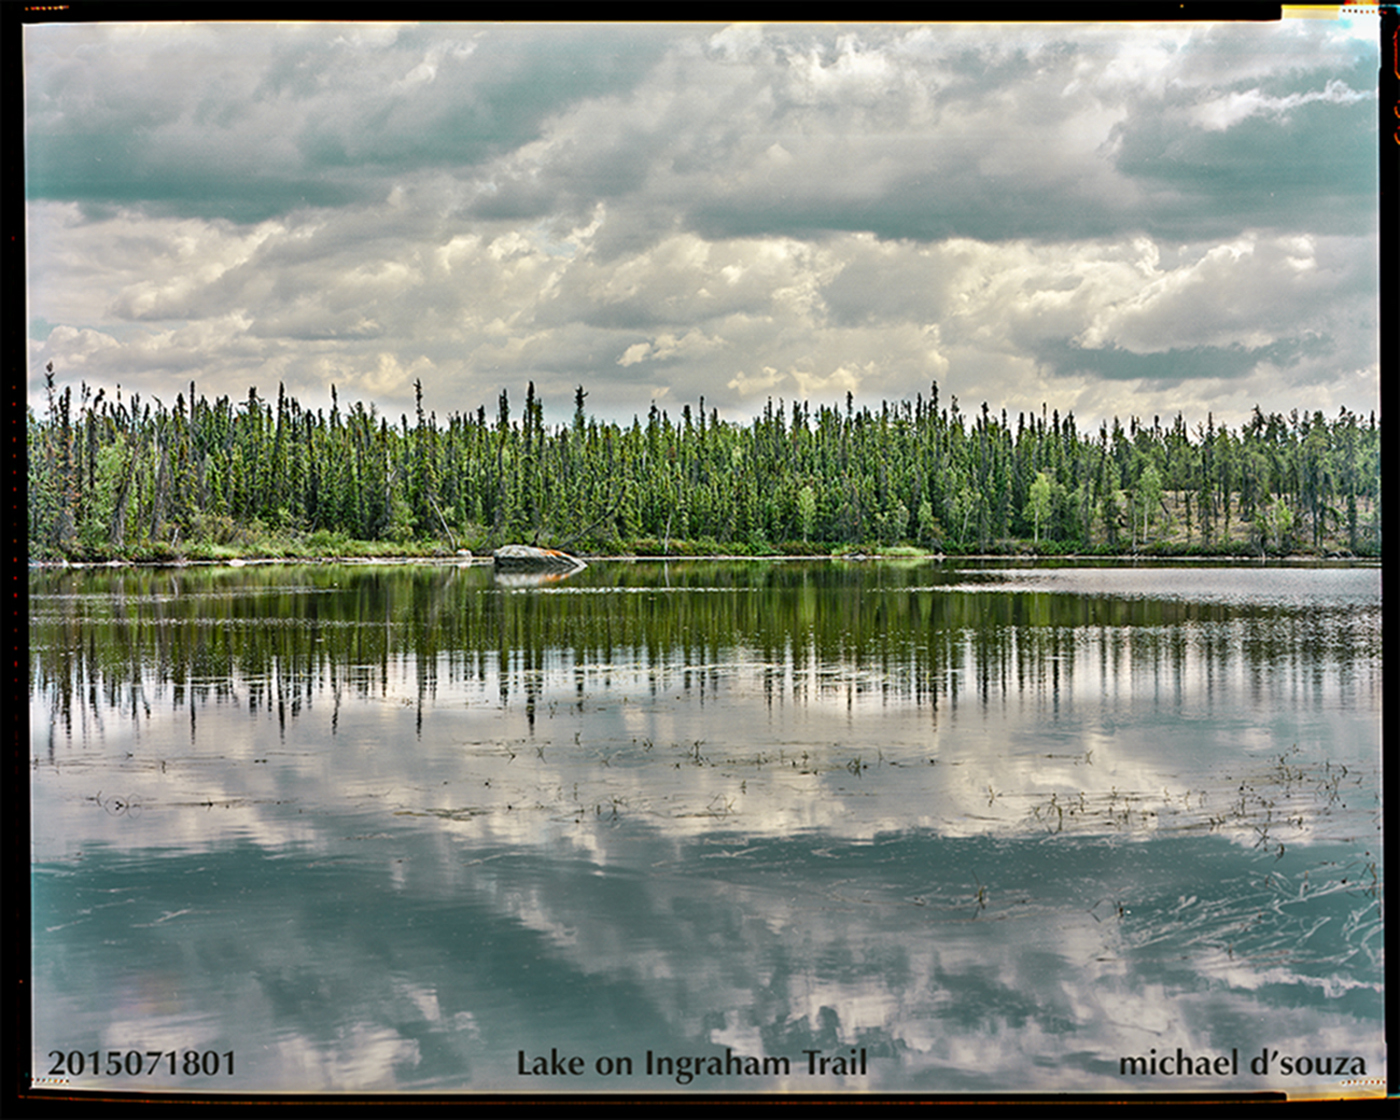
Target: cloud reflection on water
[420,826]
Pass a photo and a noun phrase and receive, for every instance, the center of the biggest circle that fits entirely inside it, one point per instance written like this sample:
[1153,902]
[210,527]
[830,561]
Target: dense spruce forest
[134,479]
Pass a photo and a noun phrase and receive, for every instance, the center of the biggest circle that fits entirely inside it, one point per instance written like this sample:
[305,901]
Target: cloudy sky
[1113,218]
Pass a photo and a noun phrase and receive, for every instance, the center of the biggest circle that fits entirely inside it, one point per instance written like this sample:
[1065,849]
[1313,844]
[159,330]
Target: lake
[829,827]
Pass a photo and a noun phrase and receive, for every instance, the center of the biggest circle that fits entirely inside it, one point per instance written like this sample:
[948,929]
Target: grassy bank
[253,545]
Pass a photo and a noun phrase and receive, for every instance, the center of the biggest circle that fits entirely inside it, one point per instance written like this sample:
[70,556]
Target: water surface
[788,827]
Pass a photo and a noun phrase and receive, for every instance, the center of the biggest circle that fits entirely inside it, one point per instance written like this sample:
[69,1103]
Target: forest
[114,479]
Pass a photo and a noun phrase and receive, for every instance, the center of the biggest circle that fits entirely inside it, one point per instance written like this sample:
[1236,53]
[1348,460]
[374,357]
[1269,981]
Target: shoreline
[633,558]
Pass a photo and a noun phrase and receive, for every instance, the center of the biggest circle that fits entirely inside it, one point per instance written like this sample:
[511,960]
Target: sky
[1109,219]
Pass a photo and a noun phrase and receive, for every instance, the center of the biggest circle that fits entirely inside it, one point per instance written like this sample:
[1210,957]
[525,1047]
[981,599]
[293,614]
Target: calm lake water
[819,827]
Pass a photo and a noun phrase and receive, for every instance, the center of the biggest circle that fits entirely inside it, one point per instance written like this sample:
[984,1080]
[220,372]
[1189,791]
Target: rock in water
[527,558]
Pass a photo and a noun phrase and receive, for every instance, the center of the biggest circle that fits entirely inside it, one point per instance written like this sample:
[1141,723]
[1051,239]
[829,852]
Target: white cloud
[1228,110]
[426,70]
[740,42]
[787,209]
[77,348]
[1248,292]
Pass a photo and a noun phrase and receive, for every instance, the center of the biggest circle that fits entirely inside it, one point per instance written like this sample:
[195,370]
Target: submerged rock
[528,558]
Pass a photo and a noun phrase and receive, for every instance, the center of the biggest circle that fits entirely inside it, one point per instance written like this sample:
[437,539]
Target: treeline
[126,478]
